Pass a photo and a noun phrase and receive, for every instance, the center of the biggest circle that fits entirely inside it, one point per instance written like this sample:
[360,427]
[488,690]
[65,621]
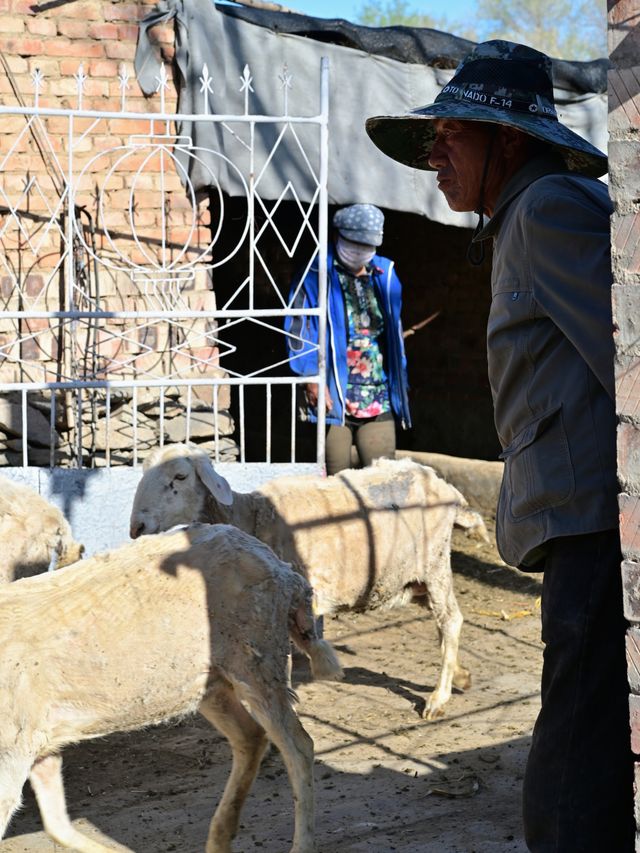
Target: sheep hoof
[462,678]
[433,710]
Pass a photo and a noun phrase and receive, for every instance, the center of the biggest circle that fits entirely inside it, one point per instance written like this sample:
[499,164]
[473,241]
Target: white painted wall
[97,502]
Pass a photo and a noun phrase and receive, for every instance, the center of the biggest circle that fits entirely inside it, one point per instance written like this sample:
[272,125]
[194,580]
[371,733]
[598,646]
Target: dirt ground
[386,780]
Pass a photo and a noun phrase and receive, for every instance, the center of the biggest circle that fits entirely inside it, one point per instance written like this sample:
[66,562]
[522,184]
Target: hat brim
[409,138]
[367,238]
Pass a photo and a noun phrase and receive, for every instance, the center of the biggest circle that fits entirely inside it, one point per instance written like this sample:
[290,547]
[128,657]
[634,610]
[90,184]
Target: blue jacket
[302,336]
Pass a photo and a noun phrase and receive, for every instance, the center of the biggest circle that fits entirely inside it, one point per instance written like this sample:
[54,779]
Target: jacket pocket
[538,470]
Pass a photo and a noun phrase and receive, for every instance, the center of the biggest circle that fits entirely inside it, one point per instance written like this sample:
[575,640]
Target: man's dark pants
[578,787]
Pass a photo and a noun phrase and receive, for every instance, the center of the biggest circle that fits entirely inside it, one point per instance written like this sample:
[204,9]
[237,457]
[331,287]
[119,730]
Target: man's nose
[436,157]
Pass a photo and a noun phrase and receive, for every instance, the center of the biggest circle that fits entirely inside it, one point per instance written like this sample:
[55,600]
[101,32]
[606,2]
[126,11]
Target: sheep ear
[217,485]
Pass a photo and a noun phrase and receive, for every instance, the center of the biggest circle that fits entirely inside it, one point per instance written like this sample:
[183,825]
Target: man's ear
[514,142]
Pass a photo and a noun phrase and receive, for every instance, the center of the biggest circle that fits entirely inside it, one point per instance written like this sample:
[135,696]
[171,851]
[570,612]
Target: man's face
[458,157]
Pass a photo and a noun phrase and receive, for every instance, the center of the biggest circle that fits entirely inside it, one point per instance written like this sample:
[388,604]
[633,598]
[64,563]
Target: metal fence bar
[322,258]
[81,326]
[268,421]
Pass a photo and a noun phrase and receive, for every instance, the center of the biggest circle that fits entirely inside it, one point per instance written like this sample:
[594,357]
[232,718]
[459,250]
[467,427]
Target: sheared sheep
[36,538]
[196,619]
[35,535]
[363,538]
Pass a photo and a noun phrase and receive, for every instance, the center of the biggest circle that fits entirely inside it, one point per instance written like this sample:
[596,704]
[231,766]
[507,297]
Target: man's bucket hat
[500,82]
[360,223]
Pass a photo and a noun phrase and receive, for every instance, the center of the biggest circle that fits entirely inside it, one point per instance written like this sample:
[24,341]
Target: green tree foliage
[567,29]
[376,13]
[570,29]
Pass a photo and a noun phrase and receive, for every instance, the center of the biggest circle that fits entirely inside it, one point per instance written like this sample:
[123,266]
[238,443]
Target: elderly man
[495,142]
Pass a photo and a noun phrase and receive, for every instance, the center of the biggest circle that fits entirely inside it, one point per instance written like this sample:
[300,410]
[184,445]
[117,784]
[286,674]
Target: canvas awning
[365,80]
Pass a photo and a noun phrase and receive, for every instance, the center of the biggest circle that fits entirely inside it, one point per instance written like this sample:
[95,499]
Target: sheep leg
[47,784]
[222,708]
[448,618]
[285,730]
[14,771]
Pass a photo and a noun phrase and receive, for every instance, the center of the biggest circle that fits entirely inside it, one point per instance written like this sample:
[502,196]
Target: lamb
[196,619]
[363,538]
[35,535]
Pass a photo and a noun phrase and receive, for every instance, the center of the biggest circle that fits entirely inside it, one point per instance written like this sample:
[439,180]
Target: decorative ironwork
[109,262]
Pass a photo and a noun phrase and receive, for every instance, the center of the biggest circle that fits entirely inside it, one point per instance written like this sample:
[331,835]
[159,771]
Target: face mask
[354,256]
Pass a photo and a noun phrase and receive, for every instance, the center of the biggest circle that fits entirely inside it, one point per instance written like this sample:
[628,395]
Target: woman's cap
[360,223]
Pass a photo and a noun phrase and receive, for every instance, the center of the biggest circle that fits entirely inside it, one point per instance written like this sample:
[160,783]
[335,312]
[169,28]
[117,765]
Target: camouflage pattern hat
[500,82]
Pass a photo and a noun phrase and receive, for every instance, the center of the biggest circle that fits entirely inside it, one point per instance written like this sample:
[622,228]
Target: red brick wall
[624,177]
[56,40]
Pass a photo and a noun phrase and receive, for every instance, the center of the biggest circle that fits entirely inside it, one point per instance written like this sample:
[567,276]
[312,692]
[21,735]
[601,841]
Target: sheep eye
[180,477]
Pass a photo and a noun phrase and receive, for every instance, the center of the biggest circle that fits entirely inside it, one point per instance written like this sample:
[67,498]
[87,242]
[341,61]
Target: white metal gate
[113,338]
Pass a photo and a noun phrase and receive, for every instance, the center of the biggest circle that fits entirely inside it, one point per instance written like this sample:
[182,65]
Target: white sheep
[363,538]
[36,538]
[34,533]
[196,619]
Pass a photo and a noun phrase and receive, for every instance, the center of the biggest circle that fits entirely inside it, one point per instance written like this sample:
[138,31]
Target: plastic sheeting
[362,84]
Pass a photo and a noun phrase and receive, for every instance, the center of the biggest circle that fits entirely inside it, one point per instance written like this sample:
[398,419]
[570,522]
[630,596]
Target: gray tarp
[361,85]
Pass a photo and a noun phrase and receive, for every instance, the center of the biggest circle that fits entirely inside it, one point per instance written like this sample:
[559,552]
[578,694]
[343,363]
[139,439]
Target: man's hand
[311,392]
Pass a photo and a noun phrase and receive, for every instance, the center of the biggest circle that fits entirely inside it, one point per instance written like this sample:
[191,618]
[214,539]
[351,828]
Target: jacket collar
[546,164]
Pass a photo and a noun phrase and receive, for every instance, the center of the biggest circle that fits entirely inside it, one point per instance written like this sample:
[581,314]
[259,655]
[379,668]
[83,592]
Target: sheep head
[175,483]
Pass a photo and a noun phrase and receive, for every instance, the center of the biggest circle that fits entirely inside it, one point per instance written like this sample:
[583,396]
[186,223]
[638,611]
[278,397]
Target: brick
[36,324]
[145,218]
[624,170]
[624,99]
[104,68]
[107,31]
[11,24]
[634,719]
[7,286]
[24,46]
[82,49]
[41,27]
[128,32]
[631,601]
[17,64]
[629,525]
[624,33]
[23,7]
[92,10]
[49,68]
[73,28]
[625,239]
[122,12]
[119,50]
[627,370]
[626,318]
[127,127]
[628,441]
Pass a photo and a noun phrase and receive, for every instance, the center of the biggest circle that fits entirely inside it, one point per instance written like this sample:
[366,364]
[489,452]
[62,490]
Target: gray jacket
[551,359]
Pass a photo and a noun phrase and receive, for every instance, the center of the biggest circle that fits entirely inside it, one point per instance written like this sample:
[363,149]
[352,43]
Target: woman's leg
[338,448]
[376,437]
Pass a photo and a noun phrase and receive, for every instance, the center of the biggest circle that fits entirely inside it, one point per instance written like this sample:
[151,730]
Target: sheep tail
[302,630]
[472,522]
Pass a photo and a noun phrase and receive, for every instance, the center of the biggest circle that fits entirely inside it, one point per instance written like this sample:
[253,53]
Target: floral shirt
[367,386]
